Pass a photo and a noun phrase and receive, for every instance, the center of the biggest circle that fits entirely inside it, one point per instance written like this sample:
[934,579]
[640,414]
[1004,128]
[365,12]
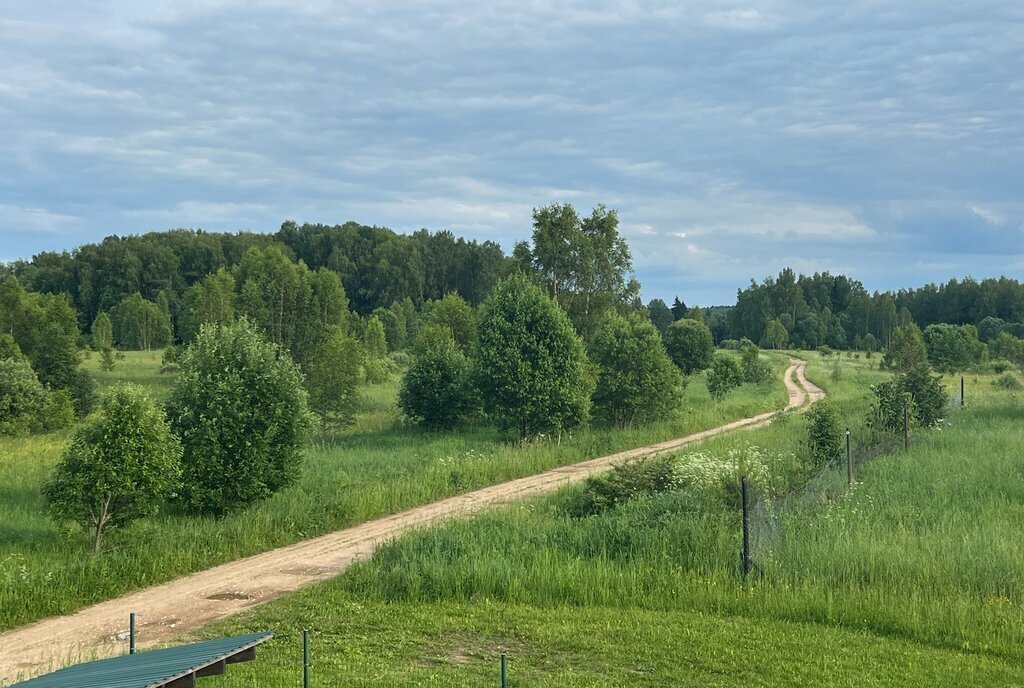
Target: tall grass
[375,468]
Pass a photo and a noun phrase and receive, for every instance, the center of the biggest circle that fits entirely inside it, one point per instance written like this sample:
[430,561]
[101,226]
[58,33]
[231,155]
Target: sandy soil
[171,609]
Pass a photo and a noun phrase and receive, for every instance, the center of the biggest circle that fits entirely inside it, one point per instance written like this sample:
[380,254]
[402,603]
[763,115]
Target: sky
[883,140]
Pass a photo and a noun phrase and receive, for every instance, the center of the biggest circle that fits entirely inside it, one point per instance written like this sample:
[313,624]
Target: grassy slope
[373,469]
[912,578]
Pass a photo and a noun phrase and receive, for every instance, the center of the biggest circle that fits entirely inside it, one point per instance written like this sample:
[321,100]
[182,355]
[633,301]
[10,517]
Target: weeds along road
[174,608]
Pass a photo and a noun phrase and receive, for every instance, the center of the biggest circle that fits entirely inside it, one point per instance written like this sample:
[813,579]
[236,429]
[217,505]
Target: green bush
[825,435]
[724,376]
[1007,381]
[23,399]
[332,377]
[121,464]
[918,390]
[436,391]
[690,345]
[755,369]
[621,484]
[243,417]
[84,392]
[637,382]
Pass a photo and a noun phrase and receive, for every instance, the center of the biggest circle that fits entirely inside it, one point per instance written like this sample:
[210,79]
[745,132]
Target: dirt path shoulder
[176,607]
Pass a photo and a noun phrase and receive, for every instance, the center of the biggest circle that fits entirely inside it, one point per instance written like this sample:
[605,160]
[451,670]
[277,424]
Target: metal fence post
[305,658]
[131,633]
[504,670]
[961,391]
[746,526]
[849,459]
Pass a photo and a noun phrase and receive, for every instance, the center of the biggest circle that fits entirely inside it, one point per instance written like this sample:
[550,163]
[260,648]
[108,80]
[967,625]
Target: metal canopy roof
[174,667]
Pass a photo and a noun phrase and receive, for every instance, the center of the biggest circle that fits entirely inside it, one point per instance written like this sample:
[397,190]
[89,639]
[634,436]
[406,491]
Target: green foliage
[990,327]
[45,329]
[107,360]
[636,381]
[775,334]
[584,263]
[660,315]
[1008,381]
[755,369]
[241,412]
[690,345]
[374,339]
[1005,345]
[436,390]
[455,315]
[120,466]
[917,390]
[140,324]
[102,332]
[333,377]
[531,367]
[906,349]
[837,370]
[58,411]
[84,392]
[952,347]
[9,348]
[22,397]
[394,327]
[825,435]
[623,483]
[210,301]
[724,375]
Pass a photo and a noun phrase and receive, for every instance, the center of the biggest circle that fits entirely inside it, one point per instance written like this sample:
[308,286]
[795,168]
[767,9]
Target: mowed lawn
[914,577]
[377,467]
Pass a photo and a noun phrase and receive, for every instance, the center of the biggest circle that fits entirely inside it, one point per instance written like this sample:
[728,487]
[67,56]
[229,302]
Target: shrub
[825,350]
[435,391]
[918,390]
[84,393]
[332,377]
[170,362]
[58,411]
[724,376]
[121,464]
[107,360]
[906,349]
[1007,381]
[690,345]
[243,417]
[755,369]
[825,437]
[624,482]
[23,398]
[530,367]
[637,382]
[730,344]
[952,347]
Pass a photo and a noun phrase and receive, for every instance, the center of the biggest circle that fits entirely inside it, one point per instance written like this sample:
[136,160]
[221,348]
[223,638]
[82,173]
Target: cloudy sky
[880,139]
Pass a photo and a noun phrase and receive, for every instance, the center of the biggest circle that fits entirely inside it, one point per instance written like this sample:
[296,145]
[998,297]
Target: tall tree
[690,346]
[660,315]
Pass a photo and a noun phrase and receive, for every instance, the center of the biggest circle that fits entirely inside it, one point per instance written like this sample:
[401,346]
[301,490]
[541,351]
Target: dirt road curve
[173,608]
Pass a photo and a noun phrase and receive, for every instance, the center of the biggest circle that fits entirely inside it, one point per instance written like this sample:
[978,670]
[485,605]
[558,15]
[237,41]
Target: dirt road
[181,605]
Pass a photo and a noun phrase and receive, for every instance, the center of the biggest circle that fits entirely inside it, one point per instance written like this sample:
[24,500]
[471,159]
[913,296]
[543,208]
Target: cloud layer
[880,139]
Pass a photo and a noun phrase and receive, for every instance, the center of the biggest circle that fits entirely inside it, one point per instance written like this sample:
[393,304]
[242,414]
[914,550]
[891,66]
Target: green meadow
[378,466]
[911,577]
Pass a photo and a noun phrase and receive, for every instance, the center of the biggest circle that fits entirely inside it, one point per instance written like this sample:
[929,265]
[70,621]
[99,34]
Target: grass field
[913,577]
[377,467]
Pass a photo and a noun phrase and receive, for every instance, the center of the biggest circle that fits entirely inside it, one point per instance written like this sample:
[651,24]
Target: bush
[435,391]
[1007,381]
[531,368]
[755,369]
[333,379]
[58,411]
[952,347]
[825,350]
[121,464]
[637,382]
[170,362]
[624,482]
[825,436]
[243,417]
[84,393]
[918,390]
[23,398]
[690,345]
[730,344]
[724,376]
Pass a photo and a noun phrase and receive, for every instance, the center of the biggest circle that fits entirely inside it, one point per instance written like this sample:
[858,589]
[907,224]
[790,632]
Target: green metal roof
[150,669]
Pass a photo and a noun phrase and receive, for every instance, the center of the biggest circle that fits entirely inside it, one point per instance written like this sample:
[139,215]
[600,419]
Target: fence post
[131,633]
[746,526]
[305,658]
[906,427]
[504,670]
[961,391]
[849,459]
